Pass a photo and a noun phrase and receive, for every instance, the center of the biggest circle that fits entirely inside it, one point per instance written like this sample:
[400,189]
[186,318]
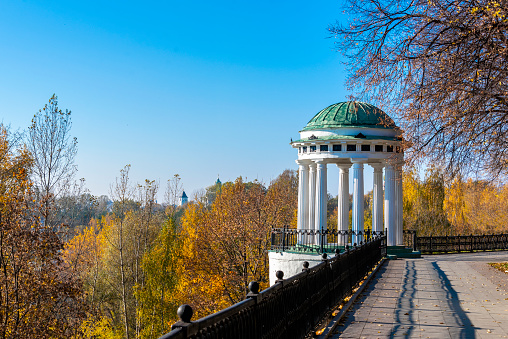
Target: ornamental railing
[462,243]
[326,241]
[410,240]
[292,307]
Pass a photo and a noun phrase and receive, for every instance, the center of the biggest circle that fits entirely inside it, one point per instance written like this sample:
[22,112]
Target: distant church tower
[183,199]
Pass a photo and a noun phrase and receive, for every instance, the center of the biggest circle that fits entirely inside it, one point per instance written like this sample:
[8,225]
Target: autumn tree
[145,229]
[39,297]
[476,206]
[440,66]
[224,246]
[173,193]
[282,199]
[75,207]
[237,227]
[157,303]
[110,255]
[53,151]
[423,202]
[116,236]
[83,253]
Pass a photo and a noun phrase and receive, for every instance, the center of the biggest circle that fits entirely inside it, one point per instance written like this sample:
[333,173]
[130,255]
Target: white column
[312,196]
[320,210]
[303,198]
[390,204]
[377,194]
[303,195]
[324,199]
[343,202]
[357,200]
[399,235]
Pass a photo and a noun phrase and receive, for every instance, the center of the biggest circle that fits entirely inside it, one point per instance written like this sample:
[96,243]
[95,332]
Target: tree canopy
[38,296]
[440,66]
[53,151]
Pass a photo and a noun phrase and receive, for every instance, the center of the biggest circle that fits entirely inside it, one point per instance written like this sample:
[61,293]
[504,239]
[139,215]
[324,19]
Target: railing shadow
[463,322]
[405,304]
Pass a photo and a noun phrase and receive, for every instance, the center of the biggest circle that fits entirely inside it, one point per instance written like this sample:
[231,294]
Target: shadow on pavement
[461,319]
[404,314]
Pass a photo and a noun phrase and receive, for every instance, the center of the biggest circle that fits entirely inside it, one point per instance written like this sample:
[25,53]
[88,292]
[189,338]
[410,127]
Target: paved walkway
[438,296]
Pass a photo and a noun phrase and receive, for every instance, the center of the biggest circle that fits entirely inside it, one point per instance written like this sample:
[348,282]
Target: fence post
[322,242]
[283,237]
[414,241]
[185,313]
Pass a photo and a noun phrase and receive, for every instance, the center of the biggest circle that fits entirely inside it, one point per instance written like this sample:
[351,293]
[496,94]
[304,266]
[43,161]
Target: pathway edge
[334,322]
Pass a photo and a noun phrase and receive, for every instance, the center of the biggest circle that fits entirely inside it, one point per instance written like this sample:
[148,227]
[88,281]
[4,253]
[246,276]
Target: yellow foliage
[224,246]
[85,249]
[460,207]
[100,328]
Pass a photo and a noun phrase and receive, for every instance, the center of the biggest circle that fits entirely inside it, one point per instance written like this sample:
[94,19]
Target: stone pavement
[438,296]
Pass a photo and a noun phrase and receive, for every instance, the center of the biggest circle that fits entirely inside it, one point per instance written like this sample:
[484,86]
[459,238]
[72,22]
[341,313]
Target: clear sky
[198,88]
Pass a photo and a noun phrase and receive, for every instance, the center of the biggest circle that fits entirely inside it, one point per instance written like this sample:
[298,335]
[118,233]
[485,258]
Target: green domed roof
[350,114]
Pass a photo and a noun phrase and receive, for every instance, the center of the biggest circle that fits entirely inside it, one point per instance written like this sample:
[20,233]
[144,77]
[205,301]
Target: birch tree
[53,150]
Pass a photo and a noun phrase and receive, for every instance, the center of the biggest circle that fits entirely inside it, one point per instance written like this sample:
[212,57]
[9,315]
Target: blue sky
[197,88]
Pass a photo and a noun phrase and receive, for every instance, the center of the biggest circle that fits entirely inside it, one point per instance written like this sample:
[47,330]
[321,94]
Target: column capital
[358,160]
[378,167]
[344,167]
[302,162]
[390,163]
[319,161]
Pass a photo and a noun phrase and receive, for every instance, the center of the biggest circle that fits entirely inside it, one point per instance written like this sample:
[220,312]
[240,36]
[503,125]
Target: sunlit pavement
[438,296]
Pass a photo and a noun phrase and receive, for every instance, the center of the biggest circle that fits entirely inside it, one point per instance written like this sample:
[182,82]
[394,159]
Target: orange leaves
[38,296]
[224,246]
[85,249]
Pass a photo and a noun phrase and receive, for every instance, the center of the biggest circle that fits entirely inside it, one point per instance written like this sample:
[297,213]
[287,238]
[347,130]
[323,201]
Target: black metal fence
[292,307]
[459,243]
[410,240]
[326,241]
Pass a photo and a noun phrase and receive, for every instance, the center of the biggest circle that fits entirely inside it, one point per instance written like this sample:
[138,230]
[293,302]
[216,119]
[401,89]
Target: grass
[502,266]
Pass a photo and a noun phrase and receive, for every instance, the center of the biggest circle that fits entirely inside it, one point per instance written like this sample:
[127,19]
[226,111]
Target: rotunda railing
[311,241]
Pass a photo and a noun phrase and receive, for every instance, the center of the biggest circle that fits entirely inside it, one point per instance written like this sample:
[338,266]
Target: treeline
[73,265]
[138,265]
[436,206]
[124,273]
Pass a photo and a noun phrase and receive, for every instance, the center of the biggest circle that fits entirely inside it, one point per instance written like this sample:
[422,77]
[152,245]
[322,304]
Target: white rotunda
[351,135]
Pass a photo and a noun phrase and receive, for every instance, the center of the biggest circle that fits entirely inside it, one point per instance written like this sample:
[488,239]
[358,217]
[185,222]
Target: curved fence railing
[292,307]
[326,241]
[459,243]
